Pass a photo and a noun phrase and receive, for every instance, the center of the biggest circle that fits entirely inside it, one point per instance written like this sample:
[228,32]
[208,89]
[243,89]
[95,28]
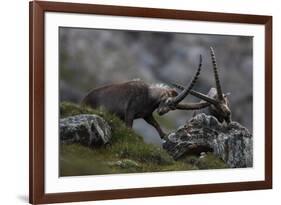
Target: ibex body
[131,100]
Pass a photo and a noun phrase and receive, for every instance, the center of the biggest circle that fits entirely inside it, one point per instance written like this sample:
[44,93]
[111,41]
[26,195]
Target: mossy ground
[127,153]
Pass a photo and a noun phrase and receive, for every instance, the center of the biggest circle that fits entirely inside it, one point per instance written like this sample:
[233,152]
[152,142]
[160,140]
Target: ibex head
[220,109]
[165,100]
[217,100]
[170,98]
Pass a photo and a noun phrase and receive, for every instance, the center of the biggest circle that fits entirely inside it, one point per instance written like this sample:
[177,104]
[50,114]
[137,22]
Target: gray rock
[233,143]
[86,129]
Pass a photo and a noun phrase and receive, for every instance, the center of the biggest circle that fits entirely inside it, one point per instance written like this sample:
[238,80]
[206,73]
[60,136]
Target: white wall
[14,100]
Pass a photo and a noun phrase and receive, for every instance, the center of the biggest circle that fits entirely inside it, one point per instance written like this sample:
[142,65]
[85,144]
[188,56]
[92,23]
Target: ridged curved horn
[180,87]
[185,92]
[196,94]
[216,74]
[192,106]
[203,97]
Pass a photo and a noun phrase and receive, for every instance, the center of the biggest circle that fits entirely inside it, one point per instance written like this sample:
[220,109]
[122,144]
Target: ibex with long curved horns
[216,99]
[136,99]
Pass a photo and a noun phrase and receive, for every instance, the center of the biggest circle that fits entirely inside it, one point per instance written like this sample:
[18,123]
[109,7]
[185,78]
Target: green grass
[207,162]
[210,162]
[127,153]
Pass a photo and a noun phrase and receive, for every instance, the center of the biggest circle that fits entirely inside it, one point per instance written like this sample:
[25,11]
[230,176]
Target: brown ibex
[217,100]
[136,99]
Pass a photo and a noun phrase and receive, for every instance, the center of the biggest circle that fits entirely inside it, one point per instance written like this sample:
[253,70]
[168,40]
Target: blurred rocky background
[90,58]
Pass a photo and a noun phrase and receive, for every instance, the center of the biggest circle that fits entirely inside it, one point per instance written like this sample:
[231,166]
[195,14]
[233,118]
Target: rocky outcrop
[86,129]
[232,143]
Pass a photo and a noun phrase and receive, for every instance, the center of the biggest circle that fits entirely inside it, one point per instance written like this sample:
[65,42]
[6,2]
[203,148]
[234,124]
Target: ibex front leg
[150,120]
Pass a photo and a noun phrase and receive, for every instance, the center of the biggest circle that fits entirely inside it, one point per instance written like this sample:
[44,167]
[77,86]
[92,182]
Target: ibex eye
[169,101]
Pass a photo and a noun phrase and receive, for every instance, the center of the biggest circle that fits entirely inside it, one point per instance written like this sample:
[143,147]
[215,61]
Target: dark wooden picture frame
[37,96]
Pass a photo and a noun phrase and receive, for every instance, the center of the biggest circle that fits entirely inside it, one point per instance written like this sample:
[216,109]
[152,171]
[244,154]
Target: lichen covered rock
[231,142]
[86,129]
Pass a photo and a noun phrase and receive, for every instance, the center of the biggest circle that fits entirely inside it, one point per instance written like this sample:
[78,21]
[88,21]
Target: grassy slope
[127,153]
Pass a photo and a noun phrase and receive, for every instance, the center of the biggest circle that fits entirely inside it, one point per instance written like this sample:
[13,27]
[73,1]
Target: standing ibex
[136,99]
[219,104]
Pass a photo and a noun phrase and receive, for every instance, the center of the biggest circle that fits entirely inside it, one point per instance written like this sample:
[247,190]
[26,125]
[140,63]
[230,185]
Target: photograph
[147,101]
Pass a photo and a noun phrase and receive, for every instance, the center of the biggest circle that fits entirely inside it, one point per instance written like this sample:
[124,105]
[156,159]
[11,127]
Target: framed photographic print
[138,102]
